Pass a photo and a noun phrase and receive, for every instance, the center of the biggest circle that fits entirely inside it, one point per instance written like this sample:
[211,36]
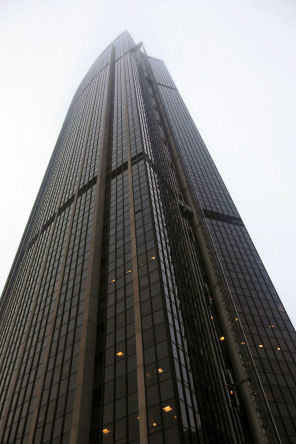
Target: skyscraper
[137,308]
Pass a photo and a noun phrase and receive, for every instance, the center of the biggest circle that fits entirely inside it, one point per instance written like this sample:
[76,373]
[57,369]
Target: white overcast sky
[234,64]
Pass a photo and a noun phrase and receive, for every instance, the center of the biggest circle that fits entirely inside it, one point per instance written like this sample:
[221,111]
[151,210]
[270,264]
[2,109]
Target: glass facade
[137,309]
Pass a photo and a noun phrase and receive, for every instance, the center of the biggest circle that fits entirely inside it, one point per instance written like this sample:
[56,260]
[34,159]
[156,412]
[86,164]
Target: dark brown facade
[137,309]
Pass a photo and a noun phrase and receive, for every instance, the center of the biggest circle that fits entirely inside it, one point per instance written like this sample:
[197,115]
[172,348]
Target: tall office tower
[137,309]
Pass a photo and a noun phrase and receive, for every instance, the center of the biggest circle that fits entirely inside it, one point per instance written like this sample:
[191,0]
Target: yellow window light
[212,317]
[236,319]
[278,348]
[222,338]
[105,431]
[113,280]
[160,370]
[128,271]
[153,257]
[120,353]
[231,392]
[243,343]
[260,345]
[154,424]
[167,408]
[271,326]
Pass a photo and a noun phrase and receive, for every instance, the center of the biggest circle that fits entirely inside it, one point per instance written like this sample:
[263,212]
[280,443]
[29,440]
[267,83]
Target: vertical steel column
[137,308]
[80,428]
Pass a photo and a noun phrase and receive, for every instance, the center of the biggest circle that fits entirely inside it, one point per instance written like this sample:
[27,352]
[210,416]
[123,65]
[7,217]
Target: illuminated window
[120,353]
[222,338]
[153,257]
[113,280]
[160,370]
[106,431]
[154,424]
[260,346]
[128,271]
[278,348]
[167,408]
